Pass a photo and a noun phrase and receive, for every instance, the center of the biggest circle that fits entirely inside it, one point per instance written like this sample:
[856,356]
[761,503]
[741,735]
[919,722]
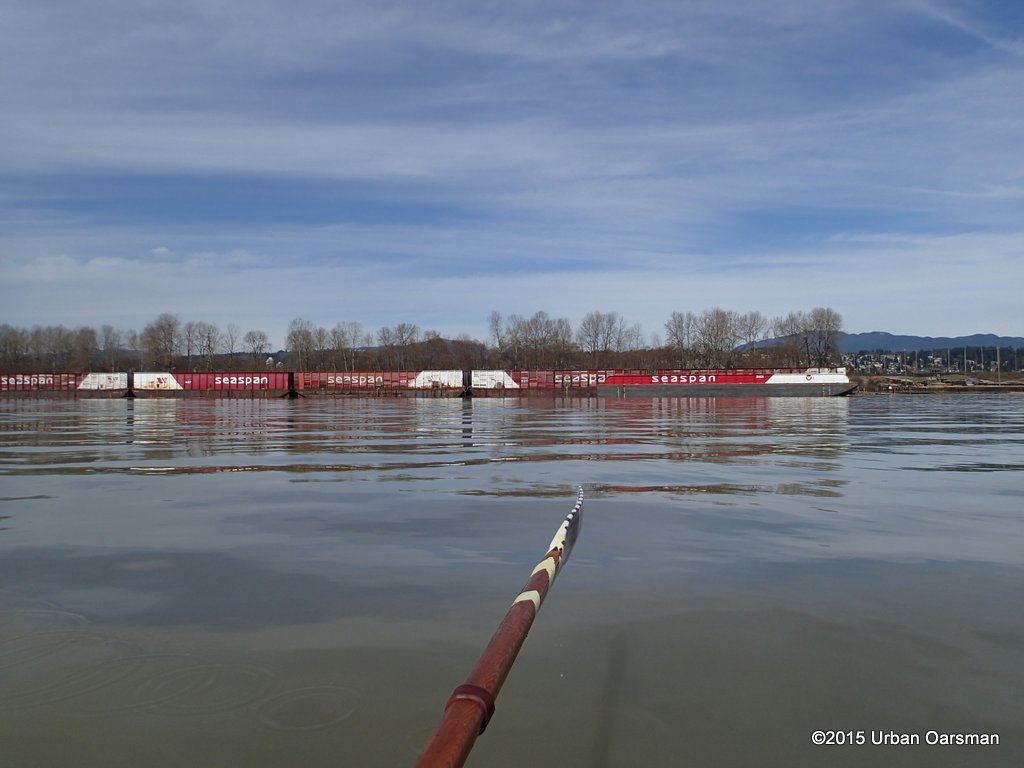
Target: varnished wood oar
[471,704]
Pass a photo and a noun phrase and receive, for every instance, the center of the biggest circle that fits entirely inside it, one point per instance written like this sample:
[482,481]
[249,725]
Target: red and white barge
[729,382]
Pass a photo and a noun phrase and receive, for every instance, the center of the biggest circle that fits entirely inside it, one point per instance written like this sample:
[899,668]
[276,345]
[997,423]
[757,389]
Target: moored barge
[809,382]
[725,382]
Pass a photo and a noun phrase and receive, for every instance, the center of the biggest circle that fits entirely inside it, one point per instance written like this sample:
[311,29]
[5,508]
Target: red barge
[804,382]
[757,382]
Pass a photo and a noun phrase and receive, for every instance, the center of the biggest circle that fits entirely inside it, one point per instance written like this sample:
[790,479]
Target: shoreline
[913,385]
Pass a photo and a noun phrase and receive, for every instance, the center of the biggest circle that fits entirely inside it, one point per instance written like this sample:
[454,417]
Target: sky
[390,162]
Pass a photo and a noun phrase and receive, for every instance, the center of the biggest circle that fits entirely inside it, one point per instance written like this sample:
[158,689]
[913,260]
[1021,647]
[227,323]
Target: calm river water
[246,583]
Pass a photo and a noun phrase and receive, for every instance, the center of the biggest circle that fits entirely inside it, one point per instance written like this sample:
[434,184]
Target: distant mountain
[865,342]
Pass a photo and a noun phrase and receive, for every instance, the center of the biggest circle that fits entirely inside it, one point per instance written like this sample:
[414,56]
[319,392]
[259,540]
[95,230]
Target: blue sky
[430,162]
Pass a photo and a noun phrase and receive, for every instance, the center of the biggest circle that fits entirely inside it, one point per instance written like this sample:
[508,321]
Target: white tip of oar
[569,530]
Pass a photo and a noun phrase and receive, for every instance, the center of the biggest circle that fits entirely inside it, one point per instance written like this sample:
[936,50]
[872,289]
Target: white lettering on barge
[692,378]
[243,380]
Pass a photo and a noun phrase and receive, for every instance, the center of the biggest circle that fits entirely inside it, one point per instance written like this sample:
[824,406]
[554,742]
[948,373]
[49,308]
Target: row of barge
[747,382]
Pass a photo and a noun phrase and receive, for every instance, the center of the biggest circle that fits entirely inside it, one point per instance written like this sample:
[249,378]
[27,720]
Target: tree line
[711,338]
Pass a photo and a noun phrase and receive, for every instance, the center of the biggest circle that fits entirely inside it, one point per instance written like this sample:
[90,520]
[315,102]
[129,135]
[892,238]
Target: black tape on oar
[477,695]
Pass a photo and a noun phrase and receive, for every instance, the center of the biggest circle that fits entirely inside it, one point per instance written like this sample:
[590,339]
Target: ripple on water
[205,688]
[308,709]
[47,667]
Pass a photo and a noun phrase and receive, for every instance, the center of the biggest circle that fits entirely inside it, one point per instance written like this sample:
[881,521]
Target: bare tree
[825,331]
[716,336]
[809,338]
[559,343]
[680,335]
[13,348]
[395,341]
[161,339]
[299,343]
[515,340]
[257,344]
[433,351]
[321,347]
[751,327]
[603,339]
[788,325]
[49,347]
[497,329]
[345,339]
[190,340]
[386,342]
[110,343]
[540,341]
[136,349]
[599,332]
[631,338]
[229,341]
[406,333]
[84,349]
[209,338]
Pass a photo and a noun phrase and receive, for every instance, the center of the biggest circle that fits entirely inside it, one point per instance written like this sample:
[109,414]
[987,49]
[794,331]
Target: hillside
[881,340]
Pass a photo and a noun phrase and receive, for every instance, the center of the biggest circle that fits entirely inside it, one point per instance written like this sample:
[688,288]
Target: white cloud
[912,284]
[642,158]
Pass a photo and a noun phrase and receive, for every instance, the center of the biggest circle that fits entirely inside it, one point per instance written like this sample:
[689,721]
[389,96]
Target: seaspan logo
[243,380]
[579,378]
[357,379]
[692,378]
[23,380]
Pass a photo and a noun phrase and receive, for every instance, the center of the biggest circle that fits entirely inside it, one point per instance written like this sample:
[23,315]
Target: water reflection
[198,436]
[307,581]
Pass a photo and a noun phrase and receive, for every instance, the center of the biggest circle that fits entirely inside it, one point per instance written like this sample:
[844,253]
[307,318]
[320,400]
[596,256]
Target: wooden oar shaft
[471,705]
